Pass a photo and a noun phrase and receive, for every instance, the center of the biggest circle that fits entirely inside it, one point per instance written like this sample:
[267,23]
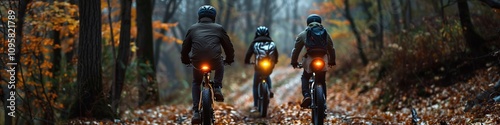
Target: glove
[294,64]
[185,60]
[228,62]
[331,64]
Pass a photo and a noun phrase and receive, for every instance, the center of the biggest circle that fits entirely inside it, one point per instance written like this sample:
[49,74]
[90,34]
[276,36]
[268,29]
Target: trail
[285,82]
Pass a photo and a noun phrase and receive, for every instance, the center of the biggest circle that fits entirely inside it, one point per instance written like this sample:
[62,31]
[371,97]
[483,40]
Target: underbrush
[431,55]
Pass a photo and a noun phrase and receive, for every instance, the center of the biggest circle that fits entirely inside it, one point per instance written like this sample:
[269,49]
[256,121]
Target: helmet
[313,18]
[262,31]
[207,11]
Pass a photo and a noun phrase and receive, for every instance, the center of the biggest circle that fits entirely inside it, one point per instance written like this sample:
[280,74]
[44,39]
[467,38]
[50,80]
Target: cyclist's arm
[186,47]
[249,53]
[299,43]
[330,49]
[227,45]
[277,55]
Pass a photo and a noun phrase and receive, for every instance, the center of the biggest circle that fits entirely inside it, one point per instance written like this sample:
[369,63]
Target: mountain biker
[305,38]
[262,47]
[204,40]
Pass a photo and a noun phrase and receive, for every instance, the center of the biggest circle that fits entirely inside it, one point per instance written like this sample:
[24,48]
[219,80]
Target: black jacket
[251,48]
[204,40]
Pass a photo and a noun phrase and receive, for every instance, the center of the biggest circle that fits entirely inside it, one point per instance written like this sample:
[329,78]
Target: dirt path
[285,80]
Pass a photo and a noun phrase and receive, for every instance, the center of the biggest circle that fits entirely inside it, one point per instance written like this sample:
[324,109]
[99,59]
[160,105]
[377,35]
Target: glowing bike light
[318,63]
[205,68]
[265,63]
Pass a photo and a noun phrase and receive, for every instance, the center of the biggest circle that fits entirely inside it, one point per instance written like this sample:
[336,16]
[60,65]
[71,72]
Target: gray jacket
[300,42]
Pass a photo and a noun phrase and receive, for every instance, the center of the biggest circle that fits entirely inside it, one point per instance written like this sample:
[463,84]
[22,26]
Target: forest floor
[346,104]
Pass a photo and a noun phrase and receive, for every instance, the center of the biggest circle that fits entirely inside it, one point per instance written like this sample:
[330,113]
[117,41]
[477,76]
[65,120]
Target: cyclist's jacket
[300,42]
[204,40]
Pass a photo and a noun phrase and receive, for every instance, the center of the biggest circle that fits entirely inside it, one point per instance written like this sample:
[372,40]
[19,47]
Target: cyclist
[262,47]
[204,40]
[318,43]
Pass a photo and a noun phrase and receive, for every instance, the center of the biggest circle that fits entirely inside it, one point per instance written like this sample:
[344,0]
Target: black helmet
[207,11]
[313,18]
[262,31]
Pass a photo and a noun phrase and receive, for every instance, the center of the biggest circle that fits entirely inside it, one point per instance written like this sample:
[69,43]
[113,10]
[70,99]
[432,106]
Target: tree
[148,90]
[381,25]
[396,14]
[349,17]
[473,40]
[90,101]
[171,7]
[123,54]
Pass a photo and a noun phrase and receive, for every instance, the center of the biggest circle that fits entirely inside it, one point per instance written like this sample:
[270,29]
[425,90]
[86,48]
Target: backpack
[316,40]
[264,50]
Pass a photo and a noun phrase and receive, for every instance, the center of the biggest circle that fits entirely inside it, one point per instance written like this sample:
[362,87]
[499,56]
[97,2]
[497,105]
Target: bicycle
[318,96]
[206,102]
[264,67]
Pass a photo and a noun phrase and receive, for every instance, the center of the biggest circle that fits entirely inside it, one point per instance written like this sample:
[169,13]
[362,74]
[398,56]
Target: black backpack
[316,41]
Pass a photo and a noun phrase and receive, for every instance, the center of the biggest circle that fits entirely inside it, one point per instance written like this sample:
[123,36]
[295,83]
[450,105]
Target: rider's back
[207,39]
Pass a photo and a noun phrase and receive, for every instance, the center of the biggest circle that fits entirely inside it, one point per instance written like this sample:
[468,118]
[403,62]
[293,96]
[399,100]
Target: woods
[118,61]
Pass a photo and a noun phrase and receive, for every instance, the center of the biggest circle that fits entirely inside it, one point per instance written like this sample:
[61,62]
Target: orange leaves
[325,8]
[158,25]
[165,26]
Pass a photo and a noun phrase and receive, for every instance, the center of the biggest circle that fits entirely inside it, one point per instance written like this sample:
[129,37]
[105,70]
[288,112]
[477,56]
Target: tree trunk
[221,7]
[206,2]
[249,21]
[123,54]
[396,14]
[227,17]
[356,33]
[381,26]
[19,39]
[473,40]
[90,101]
[172,6]
[56,58]
[148,88]
[442,12]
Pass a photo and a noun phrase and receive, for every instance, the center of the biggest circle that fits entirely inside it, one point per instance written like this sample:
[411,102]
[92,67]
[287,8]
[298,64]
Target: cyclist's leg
[305,83]
[195,92]
[255,88]
[269,82]
[219,73]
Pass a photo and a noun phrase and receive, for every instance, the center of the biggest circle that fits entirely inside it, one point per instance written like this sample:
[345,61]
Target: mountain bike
[318,95]
[264,67]
[206,102]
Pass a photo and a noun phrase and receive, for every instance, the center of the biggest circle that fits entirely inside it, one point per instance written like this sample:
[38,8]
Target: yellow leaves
[133,47]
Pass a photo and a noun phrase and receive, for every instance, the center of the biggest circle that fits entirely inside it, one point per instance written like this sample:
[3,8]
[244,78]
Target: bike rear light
[265,63]
[205,68]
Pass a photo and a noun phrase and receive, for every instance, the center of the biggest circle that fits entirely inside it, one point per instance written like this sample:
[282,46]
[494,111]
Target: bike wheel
[264,99]
[207,110]
[319,106]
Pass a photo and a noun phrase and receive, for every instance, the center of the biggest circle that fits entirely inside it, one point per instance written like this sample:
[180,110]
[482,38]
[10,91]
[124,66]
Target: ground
[346,104]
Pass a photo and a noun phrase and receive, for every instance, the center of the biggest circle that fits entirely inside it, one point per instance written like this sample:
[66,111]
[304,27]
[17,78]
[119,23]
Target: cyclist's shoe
[271,94]
[196,117]
[254,112]
[218,94]
[306,102]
